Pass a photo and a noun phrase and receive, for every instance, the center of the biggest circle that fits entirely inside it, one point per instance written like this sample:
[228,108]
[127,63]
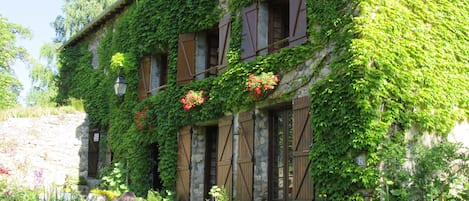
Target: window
[271,25]
[152,74]
[278,25]
[203,54]
[210,159]
[206,54]
[281,155]
[290,142]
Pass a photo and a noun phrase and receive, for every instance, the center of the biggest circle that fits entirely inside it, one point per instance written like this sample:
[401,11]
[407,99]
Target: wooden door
[302,142]
[245,163]
[225,154]
[183,163]
[93,152]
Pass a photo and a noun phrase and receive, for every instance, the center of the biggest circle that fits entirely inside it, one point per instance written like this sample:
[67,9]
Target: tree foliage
[77,14]
[9,89]
[10,51]
[44,90]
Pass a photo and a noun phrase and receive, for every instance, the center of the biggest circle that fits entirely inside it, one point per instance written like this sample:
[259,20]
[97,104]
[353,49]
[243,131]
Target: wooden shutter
[225,154]
[297,22]
[302,142]
[245,168]
[224,34]
[249,32]
[183,163]
[144,78]
[186,58]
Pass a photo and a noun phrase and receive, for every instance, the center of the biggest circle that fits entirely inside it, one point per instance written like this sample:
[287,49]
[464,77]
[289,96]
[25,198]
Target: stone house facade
[262,154]
[253,153]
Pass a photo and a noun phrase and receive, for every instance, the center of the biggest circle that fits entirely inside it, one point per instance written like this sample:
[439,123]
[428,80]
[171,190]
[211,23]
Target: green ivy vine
[387,75]
[384,74]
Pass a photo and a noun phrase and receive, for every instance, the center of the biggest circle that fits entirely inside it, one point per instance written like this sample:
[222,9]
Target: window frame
[257,27]
[157,68]
[285,111]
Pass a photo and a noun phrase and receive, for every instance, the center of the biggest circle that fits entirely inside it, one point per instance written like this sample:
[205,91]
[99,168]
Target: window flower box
[192,99]
[259,85]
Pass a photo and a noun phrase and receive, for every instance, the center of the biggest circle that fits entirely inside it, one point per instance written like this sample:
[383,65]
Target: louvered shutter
[245,168]
[297,22]
[225,154]
[186,58]
[302,142]
[224,33]
[144,78]
[249,32]
[183,163]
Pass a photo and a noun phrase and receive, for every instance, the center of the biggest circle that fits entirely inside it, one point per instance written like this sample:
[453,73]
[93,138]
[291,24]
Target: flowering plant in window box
[260,84]
[141,119]
[192,99]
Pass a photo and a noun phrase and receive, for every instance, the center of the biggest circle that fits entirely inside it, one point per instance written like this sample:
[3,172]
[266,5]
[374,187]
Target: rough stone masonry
[44,152]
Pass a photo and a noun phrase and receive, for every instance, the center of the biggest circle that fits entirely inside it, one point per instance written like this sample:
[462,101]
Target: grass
[76,106]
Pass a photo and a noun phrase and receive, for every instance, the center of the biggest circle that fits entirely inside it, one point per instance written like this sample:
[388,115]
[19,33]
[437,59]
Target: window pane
[282,155]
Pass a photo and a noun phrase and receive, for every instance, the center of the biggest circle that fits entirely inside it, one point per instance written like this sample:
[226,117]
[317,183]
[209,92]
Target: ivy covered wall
[396,64]
[401,66]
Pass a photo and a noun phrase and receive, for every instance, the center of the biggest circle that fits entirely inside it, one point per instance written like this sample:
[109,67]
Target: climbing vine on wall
[387,75]
[384,74]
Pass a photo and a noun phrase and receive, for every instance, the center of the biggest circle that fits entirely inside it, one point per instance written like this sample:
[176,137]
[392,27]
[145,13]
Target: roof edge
[98,20]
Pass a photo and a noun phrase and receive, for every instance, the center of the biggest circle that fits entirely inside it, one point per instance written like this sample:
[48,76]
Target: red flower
[141,119]
[192,99]
[4,170]
[257,84]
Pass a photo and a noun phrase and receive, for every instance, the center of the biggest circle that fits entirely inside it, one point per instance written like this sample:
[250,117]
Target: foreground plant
[219,193]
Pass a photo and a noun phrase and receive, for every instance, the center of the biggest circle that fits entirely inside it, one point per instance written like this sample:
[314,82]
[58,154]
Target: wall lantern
[120,85]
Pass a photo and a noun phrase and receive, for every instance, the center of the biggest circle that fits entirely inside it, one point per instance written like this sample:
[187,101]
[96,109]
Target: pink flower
[192,99]
[4,170]
[258,90]
[141,118]
[257,84]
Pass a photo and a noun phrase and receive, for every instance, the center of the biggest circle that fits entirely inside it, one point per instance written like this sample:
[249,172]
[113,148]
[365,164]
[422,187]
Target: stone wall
[198,143]
[46,151]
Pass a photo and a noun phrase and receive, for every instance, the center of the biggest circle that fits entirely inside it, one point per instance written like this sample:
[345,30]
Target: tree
[9,50]
[77,14]
[43,91]
[9,89]
[9,53]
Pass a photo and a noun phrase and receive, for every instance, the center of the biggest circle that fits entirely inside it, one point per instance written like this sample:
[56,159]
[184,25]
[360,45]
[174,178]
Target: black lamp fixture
[120,86]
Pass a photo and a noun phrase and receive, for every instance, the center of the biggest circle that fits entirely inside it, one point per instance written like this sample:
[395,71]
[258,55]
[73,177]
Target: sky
[37,15]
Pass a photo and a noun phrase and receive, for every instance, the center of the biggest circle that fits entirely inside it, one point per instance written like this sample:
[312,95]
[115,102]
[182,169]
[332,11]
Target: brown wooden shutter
[183,163]
[186,58]
[249,32]
[245,169]
[225,154]
[297,22]
[302,142]
[144,78]
[224,34]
